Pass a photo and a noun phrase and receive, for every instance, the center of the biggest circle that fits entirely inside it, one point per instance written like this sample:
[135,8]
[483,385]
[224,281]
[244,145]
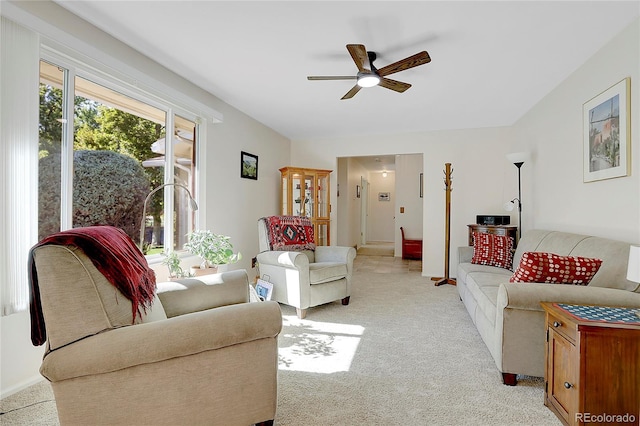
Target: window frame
[73,68]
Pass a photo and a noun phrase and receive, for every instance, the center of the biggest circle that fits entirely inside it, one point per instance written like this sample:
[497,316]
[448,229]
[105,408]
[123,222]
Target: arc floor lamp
[192,203]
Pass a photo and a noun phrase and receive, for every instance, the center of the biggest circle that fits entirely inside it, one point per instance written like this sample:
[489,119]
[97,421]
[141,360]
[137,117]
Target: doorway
[373,190]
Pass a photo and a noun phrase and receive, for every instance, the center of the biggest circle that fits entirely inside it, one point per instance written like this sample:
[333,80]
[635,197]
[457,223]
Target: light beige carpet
[404,352]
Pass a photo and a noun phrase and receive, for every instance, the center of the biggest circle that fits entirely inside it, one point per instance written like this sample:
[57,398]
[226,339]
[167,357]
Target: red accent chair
[411,248]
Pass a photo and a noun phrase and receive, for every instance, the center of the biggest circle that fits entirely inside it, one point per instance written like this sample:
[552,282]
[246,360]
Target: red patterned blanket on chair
[114,254]
[290,233]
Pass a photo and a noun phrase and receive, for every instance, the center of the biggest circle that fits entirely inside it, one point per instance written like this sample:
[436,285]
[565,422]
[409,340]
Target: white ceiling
[491,61]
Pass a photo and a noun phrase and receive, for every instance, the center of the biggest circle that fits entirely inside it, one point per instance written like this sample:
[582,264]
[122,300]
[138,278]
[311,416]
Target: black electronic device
[493,220]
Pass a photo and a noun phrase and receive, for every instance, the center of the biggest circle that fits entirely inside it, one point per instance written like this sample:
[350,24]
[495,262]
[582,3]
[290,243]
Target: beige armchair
[200,355]
[305,275]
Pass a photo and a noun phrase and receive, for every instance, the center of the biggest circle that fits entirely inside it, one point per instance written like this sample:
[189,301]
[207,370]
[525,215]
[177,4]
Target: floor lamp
[518,159]
[192,203]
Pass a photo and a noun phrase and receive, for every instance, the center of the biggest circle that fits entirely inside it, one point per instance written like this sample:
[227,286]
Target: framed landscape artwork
[248,165]
[606,134]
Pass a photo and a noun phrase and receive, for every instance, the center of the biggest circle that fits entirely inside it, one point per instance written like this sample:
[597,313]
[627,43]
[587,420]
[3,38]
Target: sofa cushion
[538,267]
[483,286]
[492,250]
[467,268]
[322,272]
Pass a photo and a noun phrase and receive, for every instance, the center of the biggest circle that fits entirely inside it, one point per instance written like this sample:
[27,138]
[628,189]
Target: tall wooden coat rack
[447,233]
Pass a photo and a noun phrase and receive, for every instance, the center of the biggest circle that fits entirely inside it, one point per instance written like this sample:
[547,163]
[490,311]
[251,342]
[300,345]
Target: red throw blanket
[290,233]
[114,254]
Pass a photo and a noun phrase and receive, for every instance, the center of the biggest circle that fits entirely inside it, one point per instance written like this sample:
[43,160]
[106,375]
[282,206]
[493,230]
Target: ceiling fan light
[368,80]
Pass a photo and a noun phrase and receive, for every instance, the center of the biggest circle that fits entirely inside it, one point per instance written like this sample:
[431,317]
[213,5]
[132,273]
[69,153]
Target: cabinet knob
[568,385]
[557,324]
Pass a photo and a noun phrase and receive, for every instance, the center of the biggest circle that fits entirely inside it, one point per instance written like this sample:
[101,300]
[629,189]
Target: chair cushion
[78,307]
[155,312]
[323,272]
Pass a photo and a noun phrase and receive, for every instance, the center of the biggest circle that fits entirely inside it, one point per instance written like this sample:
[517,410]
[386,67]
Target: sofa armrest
[465,254]
[188,295]
[286,259]
[164,340]
[528,296]
[335,254]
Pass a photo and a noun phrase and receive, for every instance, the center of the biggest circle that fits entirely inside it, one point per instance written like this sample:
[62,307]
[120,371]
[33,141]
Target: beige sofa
[201,355]
[509,317]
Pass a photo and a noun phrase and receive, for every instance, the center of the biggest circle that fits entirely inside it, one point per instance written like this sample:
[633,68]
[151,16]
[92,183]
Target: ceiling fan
[369,77]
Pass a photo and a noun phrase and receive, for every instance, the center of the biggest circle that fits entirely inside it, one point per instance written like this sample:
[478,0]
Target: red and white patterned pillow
[539,267]
[492,250]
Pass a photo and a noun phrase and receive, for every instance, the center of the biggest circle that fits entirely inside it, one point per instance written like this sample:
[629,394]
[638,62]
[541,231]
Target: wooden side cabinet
[305,192]
[504,230]
[592,373]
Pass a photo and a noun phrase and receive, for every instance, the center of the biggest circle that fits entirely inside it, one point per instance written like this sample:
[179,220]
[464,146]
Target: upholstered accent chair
[201,354]
[411,247]
[303,275]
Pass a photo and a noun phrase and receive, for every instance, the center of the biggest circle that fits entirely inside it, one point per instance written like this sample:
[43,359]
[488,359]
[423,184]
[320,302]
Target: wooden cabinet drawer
[566,329]
[562,390]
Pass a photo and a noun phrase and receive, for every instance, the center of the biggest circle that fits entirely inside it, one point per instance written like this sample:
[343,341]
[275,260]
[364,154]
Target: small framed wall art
[248,165]
[384,196]
[606,133]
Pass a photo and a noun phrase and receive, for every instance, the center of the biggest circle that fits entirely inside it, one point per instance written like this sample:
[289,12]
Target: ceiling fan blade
[351,93]
[406,63]
[332,77]
[359,54]
[397,86]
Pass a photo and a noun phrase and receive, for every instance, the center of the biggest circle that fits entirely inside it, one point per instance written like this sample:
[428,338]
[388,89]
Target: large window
[102,152]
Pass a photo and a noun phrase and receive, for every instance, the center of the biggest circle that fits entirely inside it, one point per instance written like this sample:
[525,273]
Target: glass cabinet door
[322,234]
[285,195]
[297,195]
[323,191]
[309,198]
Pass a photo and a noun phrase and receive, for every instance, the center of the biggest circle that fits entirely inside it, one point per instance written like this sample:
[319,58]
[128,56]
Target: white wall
[381,220]
[345,218]
[556,197]
[229,205]
[482,180]
[408,169]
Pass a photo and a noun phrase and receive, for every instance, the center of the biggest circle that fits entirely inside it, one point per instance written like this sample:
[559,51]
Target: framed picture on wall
[248,165]
[384,196]
[606,133]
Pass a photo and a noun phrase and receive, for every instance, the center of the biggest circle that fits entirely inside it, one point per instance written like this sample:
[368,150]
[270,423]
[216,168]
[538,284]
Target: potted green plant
[213,249]
[172,261]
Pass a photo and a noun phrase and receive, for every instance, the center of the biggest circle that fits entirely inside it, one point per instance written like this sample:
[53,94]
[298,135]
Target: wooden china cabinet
[305,192]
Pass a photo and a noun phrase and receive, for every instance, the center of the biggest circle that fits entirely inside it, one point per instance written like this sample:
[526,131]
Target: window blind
[19,153]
